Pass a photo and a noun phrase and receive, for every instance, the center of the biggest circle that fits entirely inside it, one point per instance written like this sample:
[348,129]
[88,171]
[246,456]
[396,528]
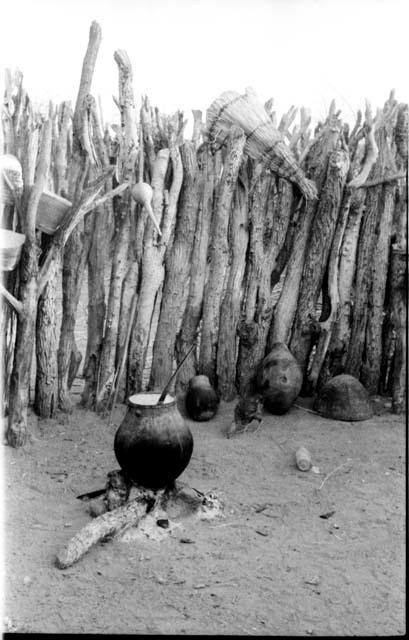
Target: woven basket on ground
[264,142]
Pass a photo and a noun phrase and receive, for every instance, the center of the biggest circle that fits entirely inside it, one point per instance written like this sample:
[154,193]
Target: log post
[368,239]
[331,298]
[230,306]
[17,432]
[256,280]
[96,227]
[399,302]
[128,149]
[75,254]
[46,384]
[334,363]
[152,267]
[177,266]
[315,156]
[209,168]
[318,250]
[399,240]
[219,255]
[271,210]
[371,365]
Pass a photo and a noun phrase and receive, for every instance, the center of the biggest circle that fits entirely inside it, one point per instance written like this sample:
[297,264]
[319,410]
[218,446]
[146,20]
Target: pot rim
[169,401]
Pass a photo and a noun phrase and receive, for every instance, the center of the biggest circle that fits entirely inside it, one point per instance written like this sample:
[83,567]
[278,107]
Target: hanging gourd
[142,192]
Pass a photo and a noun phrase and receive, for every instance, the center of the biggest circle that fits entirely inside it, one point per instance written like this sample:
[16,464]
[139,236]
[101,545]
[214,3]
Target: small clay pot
[201,399]
[279,379]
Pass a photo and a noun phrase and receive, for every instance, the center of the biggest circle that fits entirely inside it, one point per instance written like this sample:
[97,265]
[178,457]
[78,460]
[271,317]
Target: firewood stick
[108,524]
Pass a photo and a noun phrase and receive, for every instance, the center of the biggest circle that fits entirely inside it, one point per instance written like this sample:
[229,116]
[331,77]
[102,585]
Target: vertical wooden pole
[230,306]
[17,432]
[75,254]
[219,255]
[177,266]
[209,171]
[318,251]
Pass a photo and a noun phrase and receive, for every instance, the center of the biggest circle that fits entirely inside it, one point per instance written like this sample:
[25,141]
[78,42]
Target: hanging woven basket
[51,212]
[264,142]
[11,178]
[11,244]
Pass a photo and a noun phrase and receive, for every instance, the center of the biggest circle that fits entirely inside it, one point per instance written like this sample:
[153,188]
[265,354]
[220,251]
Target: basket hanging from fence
[264,142]
[11,244]
[11,178]
[51,212]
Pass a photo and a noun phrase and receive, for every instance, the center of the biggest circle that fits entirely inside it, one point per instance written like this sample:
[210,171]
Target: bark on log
[256,280]
[129,299]
[371,365]
[210,167]
[106,525]
[152,267]
[8,325]
[319,373]
[46,384]
[125,210]
[399,301]
[334,363]
[129,142]
[363,278]
[151,279]
[368,238]
[118,272]
[61,152]
[315,156]
[318,249]
[177,266]
[399,238]
[269,219]
[75,254]
[20,379]
[219,255]
[96,226]
[230,306]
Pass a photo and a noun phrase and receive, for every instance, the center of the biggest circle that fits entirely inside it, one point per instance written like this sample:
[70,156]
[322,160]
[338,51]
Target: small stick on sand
[330,474]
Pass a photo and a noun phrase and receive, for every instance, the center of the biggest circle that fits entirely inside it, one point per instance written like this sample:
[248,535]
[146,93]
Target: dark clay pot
[153,444]
[279,379]
[201,399]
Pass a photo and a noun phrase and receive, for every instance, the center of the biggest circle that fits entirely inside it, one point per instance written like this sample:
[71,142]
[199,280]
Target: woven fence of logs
[234,251]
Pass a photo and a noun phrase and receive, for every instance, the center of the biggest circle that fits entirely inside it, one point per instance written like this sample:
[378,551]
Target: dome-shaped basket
[344,398]
[11,178]
[51,212]
[11,244]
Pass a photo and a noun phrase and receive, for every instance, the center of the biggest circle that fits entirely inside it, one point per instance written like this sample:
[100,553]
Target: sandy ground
[272,565]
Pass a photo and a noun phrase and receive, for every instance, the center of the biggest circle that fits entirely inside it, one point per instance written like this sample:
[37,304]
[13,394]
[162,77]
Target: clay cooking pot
[153,444]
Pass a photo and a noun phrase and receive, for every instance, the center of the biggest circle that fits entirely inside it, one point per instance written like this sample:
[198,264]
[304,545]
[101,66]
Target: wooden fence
[243,260]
